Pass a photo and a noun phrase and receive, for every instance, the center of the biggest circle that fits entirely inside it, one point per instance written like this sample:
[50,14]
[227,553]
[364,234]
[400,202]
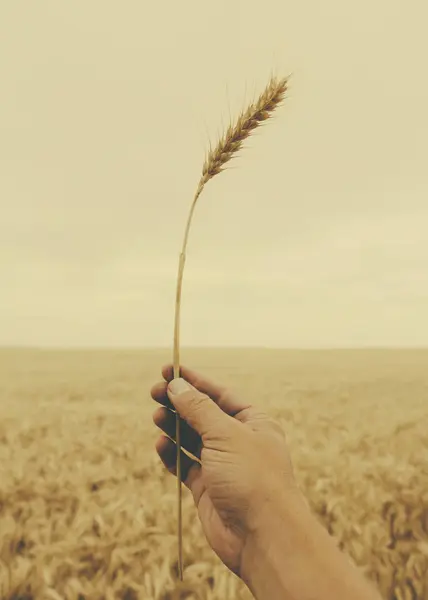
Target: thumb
[197,409]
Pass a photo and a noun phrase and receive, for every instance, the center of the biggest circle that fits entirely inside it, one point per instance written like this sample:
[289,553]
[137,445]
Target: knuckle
[244,415]
[257,416]
[199,401]
[260,421]
[226,395]
[224,392]
[198,382]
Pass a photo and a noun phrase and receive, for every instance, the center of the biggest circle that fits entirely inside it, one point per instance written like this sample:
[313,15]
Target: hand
[240,467]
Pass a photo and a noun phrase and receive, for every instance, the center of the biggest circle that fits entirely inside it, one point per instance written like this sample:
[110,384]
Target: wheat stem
[176,369]
[224,151]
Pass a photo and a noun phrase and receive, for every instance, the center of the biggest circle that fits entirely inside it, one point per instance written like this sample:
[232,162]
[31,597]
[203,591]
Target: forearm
[292,557]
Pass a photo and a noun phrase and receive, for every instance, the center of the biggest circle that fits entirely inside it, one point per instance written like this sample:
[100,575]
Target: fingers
[220,394]
[198,410]
[159,394]
[190,440]
[190,469]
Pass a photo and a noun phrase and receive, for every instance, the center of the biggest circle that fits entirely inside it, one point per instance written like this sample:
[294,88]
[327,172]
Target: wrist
[290,555]
[276,535]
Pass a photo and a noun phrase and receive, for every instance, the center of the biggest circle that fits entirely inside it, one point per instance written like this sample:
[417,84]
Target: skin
[241,478]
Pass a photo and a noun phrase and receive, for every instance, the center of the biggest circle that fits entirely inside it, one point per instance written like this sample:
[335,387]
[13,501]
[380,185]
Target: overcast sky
[316,237]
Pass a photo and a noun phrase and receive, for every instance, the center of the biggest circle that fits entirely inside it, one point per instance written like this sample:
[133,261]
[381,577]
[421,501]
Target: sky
[315,237]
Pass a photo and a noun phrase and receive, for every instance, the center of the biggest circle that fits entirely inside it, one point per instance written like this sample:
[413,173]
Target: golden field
[88,513]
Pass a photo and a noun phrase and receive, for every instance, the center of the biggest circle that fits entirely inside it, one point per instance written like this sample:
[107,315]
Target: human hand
[240,468]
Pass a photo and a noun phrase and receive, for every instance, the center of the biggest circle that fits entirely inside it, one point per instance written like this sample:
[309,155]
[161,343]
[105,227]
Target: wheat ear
[227,147]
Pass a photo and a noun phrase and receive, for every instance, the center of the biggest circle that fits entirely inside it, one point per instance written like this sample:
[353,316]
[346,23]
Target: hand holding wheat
[232,141]
[228,445]
[239,471]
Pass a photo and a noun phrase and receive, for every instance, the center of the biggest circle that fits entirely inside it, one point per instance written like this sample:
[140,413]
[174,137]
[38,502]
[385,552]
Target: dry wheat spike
[232,141]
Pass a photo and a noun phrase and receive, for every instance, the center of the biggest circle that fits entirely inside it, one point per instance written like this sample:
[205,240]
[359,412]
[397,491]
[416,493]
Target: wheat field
[88,513]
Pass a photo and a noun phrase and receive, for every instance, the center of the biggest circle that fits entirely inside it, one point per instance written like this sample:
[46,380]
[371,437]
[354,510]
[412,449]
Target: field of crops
[87,511]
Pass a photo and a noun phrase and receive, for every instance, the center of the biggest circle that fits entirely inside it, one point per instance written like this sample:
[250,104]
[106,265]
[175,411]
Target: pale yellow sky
[316,237]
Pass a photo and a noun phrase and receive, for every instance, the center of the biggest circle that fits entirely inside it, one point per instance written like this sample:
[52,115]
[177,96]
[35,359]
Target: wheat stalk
[227,147]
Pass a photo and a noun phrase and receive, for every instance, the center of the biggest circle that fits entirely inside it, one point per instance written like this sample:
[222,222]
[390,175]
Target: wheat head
[256,114]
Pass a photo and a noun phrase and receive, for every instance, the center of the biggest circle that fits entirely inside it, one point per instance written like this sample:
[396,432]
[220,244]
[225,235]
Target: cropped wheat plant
[231,142]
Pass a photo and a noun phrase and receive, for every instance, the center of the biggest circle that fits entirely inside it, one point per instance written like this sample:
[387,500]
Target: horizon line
[107,348]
